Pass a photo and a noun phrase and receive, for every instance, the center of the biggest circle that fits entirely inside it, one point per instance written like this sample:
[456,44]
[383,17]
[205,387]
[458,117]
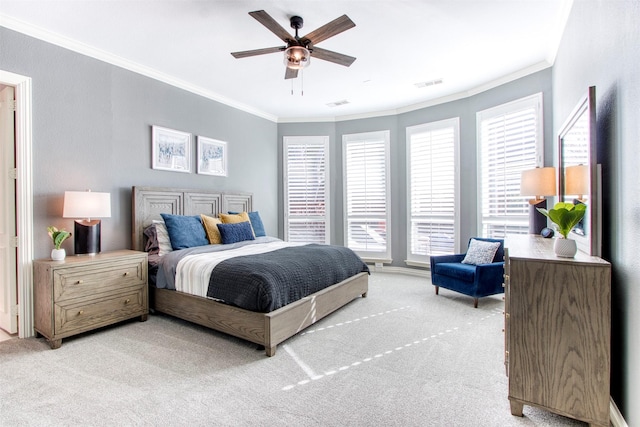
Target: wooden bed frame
[267,329]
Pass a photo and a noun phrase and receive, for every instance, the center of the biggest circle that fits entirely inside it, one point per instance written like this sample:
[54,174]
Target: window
[510,141]
[432,156]
[306,192]
[366,193]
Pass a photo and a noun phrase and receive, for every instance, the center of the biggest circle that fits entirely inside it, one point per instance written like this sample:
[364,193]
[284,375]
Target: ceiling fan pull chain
[302,82]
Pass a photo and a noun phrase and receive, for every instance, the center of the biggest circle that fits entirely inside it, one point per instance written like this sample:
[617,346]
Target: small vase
[565,248]
[58,254]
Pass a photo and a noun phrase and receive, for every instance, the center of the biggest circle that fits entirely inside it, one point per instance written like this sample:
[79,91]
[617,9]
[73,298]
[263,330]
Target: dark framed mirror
[578,171]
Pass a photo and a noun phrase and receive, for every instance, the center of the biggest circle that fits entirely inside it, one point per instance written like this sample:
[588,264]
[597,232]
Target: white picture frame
[170,150]
[212,156]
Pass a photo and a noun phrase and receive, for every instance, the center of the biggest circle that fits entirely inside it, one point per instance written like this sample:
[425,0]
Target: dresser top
[529,246]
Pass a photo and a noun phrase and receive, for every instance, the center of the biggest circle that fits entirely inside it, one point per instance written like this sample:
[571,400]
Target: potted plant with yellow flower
[565,216]
[58,236]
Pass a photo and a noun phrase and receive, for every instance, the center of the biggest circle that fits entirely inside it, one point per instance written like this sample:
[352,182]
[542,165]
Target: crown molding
[542,65]
[84,49]
[73,45]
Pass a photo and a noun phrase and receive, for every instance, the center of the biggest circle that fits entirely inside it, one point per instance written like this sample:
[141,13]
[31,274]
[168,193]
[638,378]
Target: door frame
[24,199]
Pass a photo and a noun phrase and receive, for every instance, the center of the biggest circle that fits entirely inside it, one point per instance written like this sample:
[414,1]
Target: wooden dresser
[82,293]
[557,330]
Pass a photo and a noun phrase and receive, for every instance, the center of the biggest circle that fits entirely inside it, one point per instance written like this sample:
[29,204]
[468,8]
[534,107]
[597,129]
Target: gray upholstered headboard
[149,202]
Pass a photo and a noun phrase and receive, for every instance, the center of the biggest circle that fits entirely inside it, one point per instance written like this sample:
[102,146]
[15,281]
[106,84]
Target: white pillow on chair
[481,252]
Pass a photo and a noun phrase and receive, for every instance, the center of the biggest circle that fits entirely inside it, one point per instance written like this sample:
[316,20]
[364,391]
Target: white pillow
[164,243]
[481,252]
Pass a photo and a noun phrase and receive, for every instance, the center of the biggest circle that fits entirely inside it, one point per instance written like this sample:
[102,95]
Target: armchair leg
[475,303]
[437,289]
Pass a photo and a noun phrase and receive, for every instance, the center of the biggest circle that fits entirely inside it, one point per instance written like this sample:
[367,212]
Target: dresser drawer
[76,317]
[77,282]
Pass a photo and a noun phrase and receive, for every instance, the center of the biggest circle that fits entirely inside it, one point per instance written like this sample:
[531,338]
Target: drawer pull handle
[127,301]
[81,312]
[79,282]
[126,273]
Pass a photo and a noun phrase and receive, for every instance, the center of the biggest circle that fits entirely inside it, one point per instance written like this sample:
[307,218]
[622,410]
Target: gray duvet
[266,282]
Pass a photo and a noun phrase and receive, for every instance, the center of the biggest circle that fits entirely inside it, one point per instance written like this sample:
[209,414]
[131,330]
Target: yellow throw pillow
[211,227]
[234,218]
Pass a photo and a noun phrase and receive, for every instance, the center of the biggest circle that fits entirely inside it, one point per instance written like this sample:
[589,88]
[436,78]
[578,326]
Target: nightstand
[84,292]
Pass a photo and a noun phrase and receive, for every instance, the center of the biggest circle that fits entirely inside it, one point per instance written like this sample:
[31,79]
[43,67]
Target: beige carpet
[401,357]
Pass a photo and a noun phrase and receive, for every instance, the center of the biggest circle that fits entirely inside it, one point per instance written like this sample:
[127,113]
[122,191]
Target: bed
[266,329]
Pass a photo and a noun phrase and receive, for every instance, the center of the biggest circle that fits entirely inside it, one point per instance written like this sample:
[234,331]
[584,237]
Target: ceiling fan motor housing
[296,23]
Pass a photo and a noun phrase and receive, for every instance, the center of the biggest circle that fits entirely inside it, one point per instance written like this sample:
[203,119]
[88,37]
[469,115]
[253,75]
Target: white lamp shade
[576,180]
[538,182]
[86,204]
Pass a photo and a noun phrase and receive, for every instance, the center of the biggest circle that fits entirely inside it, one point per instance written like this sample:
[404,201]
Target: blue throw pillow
[238,232]
[256,223]
[185,231]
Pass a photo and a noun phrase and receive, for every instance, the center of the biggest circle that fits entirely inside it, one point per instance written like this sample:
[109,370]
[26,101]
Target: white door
[8,286]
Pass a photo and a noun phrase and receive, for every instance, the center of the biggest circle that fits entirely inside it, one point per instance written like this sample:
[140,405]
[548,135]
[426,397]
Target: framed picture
[171,150]
[212,156]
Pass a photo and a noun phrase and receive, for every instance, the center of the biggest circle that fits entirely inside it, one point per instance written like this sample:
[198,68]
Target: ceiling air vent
[429,83]
[337,103]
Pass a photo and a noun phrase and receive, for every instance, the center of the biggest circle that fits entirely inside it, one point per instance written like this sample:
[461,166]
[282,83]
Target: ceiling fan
[298,50]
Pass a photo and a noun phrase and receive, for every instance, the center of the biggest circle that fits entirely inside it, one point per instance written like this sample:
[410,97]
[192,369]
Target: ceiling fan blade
[331,56]
[334,27]
[290,74]
[246,53]
[265,19]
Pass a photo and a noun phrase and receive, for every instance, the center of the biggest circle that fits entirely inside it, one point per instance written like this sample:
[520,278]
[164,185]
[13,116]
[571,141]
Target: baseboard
[401,270]
[615,417]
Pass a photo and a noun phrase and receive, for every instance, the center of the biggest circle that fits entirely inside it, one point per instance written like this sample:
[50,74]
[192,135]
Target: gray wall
[465,109]
[92,129]
[601,47]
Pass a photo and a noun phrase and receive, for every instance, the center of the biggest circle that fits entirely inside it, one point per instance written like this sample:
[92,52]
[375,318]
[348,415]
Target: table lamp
[576,181]
[538,182]
[86,206]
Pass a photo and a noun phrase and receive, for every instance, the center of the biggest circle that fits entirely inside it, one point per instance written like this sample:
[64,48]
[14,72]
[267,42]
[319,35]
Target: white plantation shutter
[366,192]
[510,139]
[306,190]
[433,188]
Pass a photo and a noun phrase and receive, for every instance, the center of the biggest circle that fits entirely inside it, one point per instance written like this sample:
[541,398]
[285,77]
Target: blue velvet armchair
[476,281]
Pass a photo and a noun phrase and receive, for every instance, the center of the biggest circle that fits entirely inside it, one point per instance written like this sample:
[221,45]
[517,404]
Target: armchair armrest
[489,276]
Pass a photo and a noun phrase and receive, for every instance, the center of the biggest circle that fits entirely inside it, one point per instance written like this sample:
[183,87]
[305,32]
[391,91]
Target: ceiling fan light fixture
[297,57]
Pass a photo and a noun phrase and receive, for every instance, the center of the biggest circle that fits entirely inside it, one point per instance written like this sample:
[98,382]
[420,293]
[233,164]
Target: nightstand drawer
[86,315]
[69,283]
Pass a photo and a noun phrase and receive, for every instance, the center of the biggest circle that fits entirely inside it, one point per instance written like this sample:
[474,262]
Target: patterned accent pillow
[236,232]
[481,252]
[164,244]
[211,227]
[185,231]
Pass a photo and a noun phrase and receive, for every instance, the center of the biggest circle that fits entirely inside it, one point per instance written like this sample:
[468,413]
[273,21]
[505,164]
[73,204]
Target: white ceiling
[470,44]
